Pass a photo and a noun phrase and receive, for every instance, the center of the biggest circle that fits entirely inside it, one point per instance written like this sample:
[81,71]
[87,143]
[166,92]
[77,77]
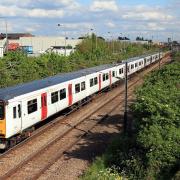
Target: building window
[77,88]
[104,77]
[113,74]
[91,82]
[32,106]
[95,81]
[62,94]
[83,86]
[14,112]
[54,97]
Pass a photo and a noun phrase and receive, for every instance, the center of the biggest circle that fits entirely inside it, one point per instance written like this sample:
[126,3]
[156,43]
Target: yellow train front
[2,126]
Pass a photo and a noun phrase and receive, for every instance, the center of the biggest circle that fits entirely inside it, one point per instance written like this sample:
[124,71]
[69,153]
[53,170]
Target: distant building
[37,44]
[41,44]
[140,42]
[61,50]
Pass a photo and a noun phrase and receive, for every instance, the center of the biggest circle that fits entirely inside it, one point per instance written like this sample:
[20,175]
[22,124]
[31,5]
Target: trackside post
[126,94]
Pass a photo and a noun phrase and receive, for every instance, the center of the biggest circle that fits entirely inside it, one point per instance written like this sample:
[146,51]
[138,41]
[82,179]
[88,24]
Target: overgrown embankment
[17,68]
[153,149]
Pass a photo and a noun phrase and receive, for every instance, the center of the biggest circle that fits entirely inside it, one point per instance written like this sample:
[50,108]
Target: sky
[152,19]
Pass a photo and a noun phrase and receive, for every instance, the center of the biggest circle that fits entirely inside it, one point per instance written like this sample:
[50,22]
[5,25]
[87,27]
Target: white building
[2,47]
[41,44]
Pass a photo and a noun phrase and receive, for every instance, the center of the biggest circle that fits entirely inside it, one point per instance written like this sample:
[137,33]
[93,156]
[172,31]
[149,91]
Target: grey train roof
[11,92]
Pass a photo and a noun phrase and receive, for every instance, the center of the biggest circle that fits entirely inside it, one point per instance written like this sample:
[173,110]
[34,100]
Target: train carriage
[23,106]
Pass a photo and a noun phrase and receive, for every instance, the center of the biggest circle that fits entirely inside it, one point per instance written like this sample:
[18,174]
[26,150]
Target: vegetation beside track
[16,67]
[152,150]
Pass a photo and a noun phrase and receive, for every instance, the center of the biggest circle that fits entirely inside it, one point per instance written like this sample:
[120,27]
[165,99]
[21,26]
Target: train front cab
[2,125]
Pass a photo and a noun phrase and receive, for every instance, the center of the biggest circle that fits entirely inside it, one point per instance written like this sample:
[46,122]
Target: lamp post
[113,44]
[109,44]
[5,20]
[126,96]
[65,37]
[91,42]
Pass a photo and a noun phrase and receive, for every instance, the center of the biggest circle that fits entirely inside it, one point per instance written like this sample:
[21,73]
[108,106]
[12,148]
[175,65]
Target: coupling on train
[23,106]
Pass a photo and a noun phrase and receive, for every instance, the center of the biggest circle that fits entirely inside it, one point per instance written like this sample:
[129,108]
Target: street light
[109,41]
[91,42]
[5,20]
[65,37]
[111,36]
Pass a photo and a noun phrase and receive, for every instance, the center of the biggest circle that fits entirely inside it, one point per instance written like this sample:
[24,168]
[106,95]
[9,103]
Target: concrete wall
[1,52]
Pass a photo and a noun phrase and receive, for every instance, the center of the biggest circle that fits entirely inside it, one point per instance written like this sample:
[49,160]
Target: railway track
[37,162]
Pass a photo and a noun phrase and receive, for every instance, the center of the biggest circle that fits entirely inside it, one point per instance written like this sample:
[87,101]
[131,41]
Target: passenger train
[23,106]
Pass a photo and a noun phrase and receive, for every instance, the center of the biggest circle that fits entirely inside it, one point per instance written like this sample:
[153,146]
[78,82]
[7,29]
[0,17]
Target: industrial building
[40,44]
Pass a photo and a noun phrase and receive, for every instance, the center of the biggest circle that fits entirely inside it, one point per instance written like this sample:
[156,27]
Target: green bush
[152,151]
[17,68]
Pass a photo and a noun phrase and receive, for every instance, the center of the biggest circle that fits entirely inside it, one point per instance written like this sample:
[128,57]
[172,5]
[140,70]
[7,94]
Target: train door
[70,97]
[99,82]
[144,61]
[43,106]
[110,78]
[17,116]
[151,59]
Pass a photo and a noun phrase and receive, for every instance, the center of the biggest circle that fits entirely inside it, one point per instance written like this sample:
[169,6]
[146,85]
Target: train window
[119,71]
[77,88]
[54,97]
[122,71]
[95,81]
[19,110]
[113,74]
[1,111]
[14,113]
[136,64]
[139,63]
[32,106]
[62,94]
[107,76]
[45,101]
[104,77]
[132,66]
[83,86]
[91,82]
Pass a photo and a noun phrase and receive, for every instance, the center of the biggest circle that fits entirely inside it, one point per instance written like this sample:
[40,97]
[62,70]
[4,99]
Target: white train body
[23,106]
